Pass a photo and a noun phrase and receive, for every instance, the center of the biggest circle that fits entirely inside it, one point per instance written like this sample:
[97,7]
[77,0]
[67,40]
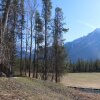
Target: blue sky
[81,16]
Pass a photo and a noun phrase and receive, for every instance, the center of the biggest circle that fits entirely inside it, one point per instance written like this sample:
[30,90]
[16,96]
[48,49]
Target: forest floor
[23,88]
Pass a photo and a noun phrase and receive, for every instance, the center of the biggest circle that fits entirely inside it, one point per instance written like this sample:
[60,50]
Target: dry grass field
[84,80]
[24,88]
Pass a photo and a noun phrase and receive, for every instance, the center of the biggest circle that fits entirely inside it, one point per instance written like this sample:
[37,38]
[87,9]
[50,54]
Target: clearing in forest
[84,80]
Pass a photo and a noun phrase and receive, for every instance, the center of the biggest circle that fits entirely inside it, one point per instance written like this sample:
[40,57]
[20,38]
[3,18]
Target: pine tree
[21,19]
[26,51]
[58,46]
[38,41]
[46,12]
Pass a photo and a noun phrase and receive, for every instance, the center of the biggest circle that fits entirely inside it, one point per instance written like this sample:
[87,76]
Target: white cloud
[87,24]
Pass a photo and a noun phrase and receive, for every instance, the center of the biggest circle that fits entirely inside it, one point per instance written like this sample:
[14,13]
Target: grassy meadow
[84,80]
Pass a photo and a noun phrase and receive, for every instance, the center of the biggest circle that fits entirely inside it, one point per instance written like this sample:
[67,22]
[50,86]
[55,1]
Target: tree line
[85,66]
[39,32]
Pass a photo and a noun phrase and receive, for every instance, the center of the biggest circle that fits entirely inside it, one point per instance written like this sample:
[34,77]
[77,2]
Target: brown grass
[85,80]
[24,88]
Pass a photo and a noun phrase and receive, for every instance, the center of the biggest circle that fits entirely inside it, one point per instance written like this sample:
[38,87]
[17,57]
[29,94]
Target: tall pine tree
[47,5]
[58,46]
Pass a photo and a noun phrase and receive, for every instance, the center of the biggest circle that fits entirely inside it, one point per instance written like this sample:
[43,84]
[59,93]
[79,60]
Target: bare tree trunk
[5,16]
[26,56]
[21,54]
[56,66]
[37,63]
[2,28]
[45,52]
[34,60]
[30,58]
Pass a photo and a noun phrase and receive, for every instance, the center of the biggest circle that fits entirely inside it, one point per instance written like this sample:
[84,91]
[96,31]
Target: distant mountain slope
[86,48]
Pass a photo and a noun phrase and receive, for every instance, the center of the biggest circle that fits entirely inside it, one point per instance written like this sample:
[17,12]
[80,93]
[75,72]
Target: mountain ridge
[86,47]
